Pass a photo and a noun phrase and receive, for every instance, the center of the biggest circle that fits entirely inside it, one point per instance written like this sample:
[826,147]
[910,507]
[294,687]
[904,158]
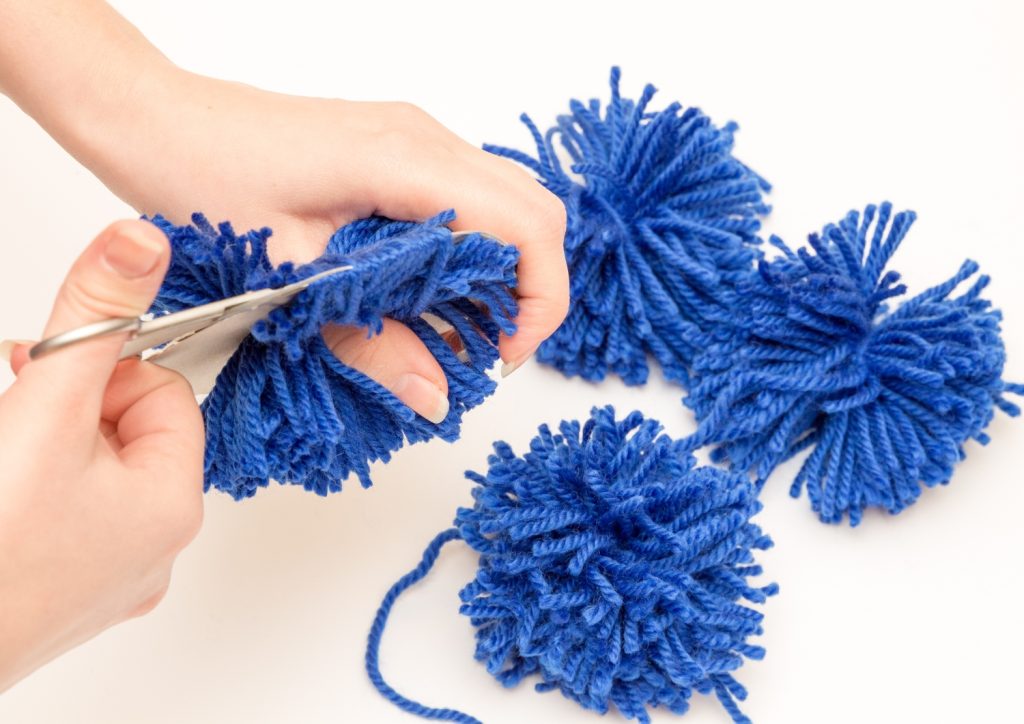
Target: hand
[171,142]
[305,166]
[103,465]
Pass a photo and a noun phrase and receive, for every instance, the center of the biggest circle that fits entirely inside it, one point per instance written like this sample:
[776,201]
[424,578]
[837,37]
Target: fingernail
[423,397]
[508,368]
[132,256]
[8,346]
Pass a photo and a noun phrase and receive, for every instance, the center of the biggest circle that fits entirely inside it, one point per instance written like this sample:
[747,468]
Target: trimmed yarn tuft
[886,399]
[662,224]
[611,567]
[284,407]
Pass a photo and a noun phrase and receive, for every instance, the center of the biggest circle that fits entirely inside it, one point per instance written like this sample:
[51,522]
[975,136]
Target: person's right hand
[102,465]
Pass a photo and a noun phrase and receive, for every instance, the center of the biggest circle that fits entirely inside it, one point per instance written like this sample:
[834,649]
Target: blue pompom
[662,223]
[611,567]
[885,398]
[284,407]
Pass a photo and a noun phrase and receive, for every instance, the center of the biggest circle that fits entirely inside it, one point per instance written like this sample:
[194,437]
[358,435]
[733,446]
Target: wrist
[112,125]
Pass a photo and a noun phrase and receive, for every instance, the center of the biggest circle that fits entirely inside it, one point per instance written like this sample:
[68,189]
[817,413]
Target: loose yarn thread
[662,225]
[611,566]
[284,407]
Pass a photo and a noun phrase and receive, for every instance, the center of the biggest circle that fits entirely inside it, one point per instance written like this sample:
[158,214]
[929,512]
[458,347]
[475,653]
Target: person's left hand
[306,166]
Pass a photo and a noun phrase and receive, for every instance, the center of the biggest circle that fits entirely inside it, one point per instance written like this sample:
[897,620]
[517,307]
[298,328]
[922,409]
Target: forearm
[76,67]
[133,118]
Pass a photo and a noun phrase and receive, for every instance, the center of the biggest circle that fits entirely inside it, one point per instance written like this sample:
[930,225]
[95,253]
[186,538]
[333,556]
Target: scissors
[198,342]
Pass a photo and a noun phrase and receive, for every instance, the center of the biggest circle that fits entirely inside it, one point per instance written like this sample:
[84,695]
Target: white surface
[914,618]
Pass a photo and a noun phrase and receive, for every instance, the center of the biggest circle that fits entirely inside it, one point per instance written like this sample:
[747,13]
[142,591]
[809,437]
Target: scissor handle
[107,327]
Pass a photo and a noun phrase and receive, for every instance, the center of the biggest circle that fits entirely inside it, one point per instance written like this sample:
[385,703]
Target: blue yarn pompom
[284,407]
[611,567]
[885,398]
[661,226]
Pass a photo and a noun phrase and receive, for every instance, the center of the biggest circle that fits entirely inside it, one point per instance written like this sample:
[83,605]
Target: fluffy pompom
[886,399]
[662,223]
[284,407]
[610,565]
[613,567]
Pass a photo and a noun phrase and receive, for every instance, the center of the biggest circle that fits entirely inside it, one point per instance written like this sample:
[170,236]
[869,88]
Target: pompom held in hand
[662,223]
[886,398]
[611,567]
[284,407]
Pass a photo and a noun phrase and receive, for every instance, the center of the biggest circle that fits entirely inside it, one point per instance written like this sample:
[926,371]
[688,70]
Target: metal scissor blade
[196,342]
[200,355]
[199,351]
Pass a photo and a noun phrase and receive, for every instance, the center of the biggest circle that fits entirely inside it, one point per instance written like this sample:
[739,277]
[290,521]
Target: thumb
[118,275]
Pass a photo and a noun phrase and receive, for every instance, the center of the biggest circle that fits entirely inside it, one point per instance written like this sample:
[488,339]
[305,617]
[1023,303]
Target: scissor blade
[200,356]
[176,326]
[198,342]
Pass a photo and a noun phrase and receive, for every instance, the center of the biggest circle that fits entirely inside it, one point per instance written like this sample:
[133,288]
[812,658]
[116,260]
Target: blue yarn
[886,399]
[284,407]
[377,630]
[662,224]
[610,566]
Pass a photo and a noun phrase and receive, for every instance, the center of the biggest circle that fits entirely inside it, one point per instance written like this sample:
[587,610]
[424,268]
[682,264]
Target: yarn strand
[373,641]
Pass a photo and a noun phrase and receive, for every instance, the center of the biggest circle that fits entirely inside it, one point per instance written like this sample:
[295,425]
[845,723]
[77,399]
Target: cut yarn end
[662,226]
[611,567]
[284,407]
[815,359]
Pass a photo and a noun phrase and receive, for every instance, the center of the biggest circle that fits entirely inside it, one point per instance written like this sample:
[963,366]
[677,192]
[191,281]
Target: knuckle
[151,602]
[94,300]
[511,167]
[181,514]
[406,129]
[351,347]
[185,521]
[412,120]
[399,141]
[559,310]
[177,383]
[403,108]
[191,521]
[553,308]
[552,215]
[409,113]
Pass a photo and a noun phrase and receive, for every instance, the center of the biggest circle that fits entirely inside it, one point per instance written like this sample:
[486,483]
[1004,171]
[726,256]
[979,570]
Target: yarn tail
[377,631]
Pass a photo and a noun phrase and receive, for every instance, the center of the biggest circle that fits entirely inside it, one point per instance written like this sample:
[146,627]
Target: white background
[914,618]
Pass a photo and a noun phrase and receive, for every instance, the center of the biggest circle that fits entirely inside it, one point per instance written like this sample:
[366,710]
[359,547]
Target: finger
[398,360]
[15,351]
[118,275]
[498,199]
[157,422]
[159,436]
